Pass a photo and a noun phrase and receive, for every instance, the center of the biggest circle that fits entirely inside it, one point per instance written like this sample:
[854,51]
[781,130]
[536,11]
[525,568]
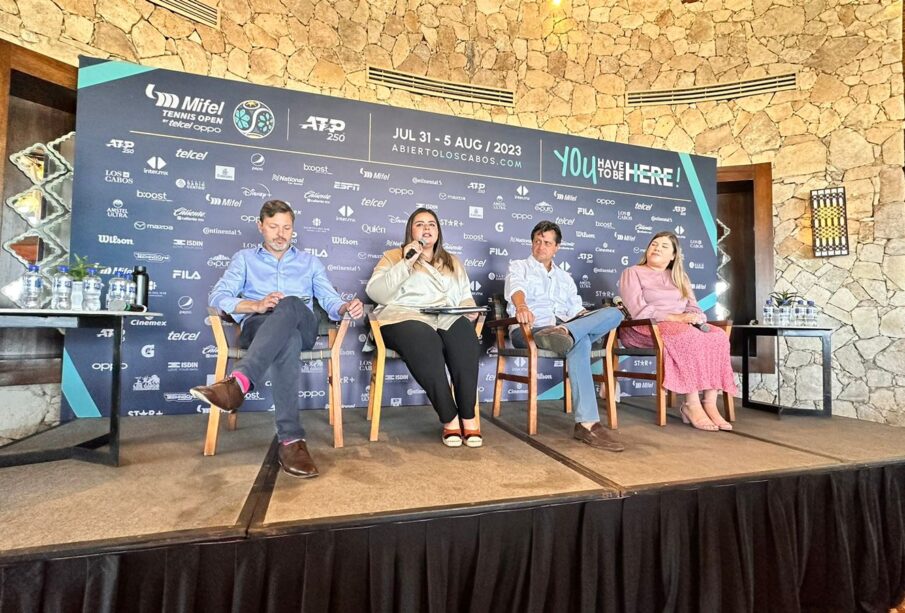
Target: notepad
[450,310]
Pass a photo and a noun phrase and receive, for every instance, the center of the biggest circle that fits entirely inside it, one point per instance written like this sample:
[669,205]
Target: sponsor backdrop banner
[172,169]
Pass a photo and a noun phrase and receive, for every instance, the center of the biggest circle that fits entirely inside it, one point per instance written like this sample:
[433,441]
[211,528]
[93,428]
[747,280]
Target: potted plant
[784,298]
[78,270]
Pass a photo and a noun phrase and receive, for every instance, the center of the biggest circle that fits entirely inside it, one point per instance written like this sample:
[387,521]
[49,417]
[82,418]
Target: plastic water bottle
[768,317]
[92,291]
[131,288]
[811,316]
[785,314]
[116,292]
[61,298]
[32,287]
[799,314]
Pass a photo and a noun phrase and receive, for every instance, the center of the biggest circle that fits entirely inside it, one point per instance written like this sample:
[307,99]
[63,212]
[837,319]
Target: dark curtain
[833,541]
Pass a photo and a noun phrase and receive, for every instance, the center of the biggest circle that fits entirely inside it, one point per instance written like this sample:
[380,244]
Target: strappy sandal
[722,424]
[699,424]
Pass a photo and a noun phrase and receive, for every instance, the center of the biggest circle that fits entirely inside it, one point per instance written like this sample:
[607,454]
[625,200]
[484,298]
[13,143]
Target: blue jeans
[586,331]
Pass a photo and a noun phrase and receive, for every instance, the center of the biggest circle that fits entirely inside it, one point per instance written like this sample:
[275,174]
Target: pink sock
[244,383]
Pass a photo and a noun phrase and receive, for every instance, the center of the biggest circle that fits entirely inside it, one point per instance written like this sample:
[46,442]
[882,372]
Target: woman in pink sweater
[657,288]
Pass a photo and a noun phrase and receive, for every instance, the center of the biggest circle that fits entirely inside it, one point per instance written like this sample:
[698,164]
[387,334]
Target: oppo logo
[402,191]
[522,216]
[107,366]
[312,393]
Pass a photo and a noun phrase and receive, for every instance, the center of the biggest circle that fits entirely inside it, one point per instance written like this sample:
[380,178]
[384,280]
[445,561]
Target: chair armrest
[479,324]
[337,334]
[375,332]
[721,323]
[496,323]
[637,323]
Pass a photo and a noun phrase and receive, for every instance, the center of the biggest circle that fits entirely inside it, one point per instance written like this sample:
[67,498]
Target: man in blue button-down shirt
[268,290]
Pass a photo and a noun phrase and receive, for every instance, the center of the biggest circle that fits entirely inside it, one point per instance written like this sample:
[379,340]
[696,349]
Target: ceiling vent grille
[718,91]
[194,10]
[443,89]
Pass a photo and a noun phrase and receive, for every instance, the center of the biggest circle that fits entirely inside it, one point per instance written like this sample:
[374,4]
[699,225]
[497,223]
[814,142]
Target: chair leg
[532,396]
[232,420]
[376,399]
[729,406]
[661,395]
[213,427]
[567,387]
[336,406]
[498,385]
[373,380]
[610,384]
[330,392]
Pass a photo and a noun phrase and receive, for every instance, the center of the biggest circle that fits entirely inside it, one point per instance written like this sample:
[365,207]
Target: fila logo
[585,212]
[189,275]
[498,251]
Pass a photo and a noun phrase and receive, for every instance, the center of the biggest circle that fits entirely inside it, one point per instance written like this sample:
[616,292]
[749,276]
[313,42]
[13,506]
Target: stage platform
[165,494]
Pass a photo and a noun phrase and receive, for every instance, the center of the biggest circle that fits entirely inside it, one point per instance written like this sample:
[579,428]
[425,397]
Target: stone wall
[570,67]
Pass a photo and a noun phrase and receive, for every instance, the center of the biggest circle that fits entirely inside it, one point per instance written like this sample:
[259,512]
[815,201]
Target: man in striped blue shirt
[268,290]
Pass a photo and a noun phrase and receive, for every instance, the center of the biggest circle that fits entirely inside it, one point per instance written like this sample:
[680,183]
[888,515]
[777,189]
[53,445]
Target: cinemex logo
[155,323]
[186,275]
[118,176]
[253,119]
[289,180]
[183,336]
[368,228]
[220,201]
[314,197]
[194,184]
[112,239]
[642,229]
[565,221]
[117,210]
[191,154]
[155,196]
[257,191]
[346,186]
[499,251]
[145,256]
[123,146]
[218,261]
[565,197]
[184,214]
[476,212]
[604,248]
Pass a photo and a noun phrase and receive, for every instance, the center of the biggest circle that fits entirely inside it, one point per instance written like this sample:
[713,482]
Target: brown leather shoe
[226,394]
[597,437]
[295,460]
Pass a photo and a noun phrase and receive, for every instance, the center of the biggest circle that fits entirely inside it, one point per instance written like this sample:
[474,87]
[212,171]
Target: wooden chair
[378,366]
[664,398]
[531,353]
[329,352]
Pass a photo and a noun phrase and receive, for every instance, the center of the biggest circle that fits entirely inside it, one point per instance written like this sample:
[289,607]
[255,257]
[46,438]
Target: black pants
[428,353]
[274,341]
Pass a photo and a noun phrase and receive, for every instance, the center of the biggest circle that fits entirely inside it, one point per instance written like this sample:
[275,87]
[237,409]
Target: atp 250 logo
[253,119]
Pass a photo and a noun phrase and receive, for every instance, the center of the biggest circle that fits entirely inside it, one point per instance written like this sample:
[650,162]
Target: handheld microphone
[412,251]
[704,327]
[617,302]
